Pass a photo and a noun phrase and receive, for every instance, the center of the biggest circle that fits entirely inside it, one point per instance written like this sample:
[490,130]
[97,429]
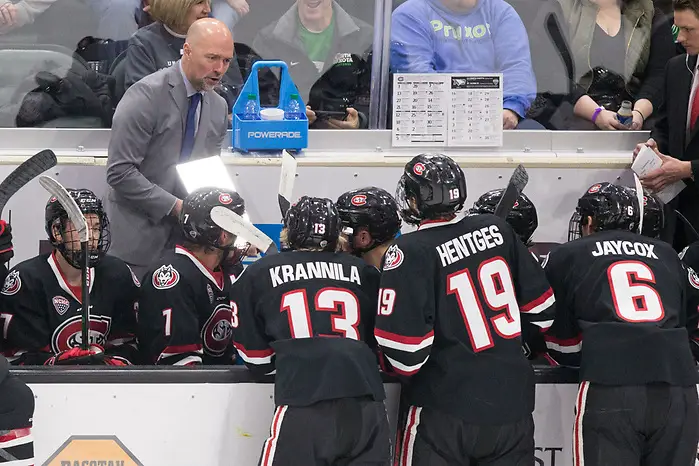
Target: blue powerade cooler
[258,134]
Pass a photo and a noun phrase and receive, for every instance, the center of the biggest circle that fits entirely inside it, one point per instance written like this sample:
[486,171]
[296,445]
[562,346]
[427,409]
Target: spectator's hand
[311,115]
[637,122]
[607,120]
[510,120]
[351,121]
[650,143]
[8,14]
[6,248]
[240,6]
[670,171]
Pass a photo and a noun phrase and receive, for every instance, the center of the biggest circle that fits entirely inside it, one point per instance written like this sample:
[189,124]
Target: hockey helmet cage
[612,207]
[56,215]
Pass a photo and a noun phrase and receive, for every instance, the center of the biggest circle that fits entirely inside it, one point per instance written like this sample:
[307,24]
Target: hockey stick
[518,181]
[27,171]
[286,182]
[639,196]
[238,226]
[78,219]
[687,223]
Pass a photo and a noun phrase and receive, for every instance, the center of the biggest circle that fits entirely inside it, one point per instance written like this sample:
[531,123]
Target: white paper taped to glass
[648,161]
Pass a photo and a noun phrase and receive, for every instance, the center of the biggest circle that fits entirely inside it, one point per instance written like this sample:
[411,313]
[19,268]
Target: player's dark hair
[312,223]
[611,207]
[433,186]
[55,215]
[371,208]
[522,218]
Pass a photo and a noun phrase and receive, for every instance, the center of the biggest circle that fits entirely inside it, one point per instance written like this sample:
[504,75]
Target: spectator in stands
[467,36]
[166,118]
[328,53]
[14,15]
[619,50]
[160,44]
[118,18]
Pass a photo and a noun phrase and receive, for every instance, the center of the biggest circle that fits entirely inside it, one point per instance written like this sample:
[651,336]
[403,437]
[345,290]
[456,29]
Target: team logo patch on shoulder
[133,277]
[12,283]
[358,200]
[594,188]
[61,304]
[393,258]
[693,277]
[225,198]
[419,168]
[165,277]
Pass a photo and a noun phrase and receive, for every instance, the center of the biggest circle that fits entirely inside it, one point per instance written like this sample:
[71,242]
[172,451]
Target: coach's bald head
[208,50]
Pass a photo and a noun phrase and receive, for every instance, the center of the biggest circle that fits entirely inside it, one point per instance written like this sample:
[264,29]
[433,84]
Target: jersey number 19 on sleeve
[498,290]
[634,299]
[328,299]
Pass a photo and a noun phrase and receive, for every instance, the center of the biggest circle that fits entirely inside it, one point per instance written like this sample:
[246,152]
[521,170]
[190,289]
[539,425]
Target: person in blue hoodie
[467,36]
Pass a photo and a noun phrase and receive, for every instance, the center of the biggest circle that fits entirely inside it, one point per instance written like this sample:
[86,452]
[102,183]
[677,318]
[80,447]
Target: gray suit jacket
[144,150]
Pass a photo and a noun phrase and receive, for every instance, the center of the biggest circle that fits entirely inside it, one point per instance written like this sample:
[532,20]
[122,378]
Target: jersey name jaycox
[468,244]
[309,270]
[627,248]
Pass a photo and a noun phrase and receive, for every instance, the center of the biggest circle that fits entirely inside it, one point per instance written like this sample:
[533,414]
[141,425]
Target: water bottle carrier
[249,135]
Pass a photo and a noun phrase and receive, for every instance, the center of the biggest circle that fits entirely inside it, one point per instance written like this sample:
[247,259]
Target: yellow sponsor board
[92,450]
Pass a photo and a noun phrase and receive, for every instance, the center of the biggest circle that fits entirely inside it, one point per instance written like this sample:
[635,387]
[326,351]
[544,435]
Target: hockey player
[16,399]
[372,214]
[307,312]
[653,214]
[622,312]
[522,218]
[41,297]
[452,297]
[185,309]
[524,221]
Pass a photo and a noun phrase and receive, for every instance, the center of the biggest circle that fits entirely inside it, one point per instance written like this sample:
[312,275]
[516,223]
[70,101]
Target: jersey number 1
[328,299]
[498,290]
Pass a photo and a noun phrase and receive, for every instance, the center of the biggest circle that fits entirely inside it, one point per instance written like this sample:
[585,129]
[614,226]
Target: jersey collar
[202,268]
[438,223]
[62,281]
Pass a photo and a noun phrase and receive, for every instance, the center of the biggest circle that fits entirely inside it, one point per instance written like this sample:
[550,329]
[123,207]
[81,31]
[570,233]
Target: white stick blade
[288,175]
[237,225]
[57,190]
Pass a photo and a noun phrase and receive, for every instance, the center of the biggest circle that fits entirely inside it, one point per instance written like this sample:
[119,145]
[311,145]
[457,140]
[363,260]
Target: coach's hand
[7,251]
[670,171]
[650,143]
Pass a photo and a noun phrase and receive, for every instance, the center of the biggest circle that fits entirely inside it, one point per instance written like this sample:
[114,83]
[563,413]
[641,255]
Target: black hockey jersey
[310,315]
[40,313]
[453,295]
[690,255]
[185,315]
[624,301]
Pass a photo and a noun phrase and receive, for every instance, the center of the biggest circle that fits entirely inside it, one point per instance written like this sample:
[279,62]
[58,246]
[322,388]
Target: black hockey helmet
[312,222]
[432,185]
[372,208]
[611,207]
[522,218]
[653,213]
[55,215]
[195,217]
